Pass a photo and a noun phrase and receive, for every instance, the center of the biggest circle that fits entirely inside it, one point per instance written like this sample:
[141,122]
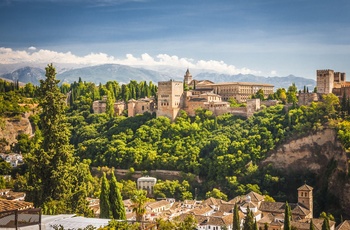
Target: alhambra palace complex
[212,96]
[202,94]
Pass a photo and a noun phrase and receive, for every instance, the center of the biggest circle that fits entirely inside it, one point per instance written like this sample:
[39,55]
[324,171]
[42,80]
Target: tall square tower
[325,81]
[170,98]
[305,197]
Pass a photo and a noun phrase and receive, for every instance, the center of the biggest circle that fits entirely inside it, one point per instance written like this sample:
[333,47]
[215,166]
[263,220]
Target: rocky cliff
[12,127]
[320,154]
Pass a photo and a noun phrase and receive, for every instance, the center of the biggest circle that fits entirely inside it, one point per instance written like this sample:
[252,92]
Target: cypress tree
[53,172]
[312,227]
[116,200]
[105,209]
[110,104]
[325,225]
[255,225]
[248,221]
[236,221]
[266,226]
[287,217]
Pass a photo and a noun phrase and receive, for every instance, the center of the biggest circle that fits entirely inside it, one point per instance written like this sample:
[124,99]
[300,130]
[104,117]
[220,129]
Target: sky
[262,37]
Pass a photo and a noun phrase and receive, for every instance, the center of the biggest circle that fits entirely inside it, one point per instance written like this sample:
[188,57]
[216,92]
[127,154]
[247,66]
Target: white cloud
[10,56]
[273,72]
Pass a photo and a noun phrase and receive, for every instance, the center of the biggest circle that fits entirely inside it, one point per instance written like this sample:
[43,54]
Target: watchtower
[325,81]
[170,95]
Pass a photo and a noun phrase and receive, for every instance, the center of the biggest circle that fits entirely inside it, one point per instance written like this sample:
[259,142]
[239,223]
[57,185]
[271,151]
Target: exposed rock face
[311,153]
[13,127]
[314,154]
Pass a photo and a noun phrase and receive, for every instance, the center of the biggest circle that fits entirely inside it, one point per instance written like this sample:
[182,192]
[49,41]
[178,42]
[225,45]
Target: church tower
[188,77]
[305,197]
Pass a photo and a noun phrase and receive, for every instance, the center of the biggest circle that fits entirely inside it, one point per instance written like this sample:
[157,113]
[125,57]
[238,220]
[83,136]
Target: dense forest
[223,151]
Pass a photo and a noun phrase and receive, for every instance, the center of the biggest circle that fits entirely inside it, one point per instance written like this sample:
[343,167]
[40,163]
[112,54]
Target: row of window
[304,194]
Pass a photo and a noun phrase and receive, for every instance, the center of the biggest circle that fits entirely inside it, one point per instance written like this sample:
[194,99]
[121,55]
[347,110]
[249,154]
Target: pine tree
[312,227]
[287,217]
[236,221]
[105,209]
[248,221]
[51,165]
[116,200]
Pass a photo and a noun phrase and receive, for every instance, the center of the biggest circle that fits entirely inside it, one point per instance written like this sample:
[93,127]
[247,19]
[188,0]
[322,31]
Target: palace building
[207,95]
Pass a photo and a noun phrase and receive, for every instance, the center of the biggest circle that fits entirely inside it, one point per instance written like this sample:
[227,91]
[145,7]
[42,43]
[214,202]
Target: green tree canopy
[52,167]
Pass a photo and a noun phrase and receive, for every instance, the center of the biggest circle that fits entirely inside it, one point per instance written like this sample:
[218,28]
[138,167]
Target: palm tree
[139,200]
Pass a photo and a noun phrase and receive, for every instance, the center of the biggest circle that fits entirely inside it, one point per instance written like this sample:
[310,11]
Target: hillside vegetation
[223,151]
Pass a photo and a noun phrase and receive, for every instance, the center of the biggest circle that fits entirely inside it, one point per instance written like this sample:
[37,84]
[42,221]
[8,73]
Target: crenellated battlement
[325,72]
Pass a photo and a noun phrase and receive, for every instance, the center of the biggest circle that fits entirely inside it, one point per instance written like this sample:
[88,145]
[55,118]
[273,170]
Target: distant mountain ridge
[25,75]
[123,74]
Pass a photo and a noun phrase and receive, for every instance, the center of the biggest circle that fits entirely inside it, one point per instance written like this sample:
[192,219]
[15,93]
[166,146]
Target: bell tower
[188,77]
[305,197]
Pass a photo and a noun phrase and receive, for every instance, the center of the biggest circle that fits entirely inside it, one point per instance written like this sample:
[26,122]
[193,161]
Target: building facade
[100,106]
[141,106]
[329,81]
[146,183]
[207,95]
[170,98]
[240,91]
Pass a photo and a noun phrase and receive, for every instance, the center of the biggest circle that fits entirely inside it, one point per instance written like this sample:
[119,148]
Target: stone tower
[188,77]
[305,197]
[325,81]
[170,98]
[339,80]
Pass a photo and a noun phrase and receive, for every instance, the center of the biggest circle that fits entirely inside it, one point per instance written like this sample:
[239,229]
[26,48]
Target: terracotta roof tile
[345,225]
[201,210]
[278,207]
[255,197]
[267,219]
[158,204]
[305,187]
[6,205]
[226,207]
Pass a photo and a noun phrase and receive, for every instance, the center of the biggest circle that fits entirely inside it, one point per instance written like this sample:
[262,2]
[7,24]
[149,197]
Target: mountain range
[123,74]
